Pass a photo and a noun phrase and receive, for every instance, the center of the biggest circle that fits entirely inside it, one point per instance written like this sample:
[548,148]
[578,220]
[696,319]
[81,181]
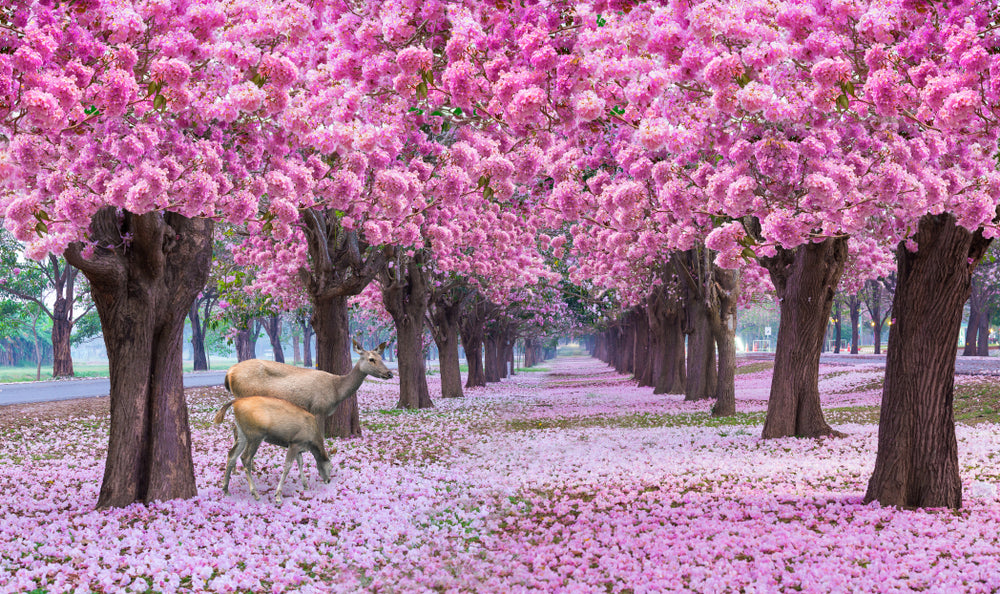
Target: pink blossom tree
[129,127]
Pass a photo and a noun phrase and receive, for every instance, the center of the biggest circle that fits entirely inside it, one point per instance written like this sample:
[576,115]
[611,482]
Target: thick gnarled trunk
[917,460]
[246,341]
[701,366]
[333,355]
[142,295]
[405,298]
[805,279]
[341,264]
[666,328]
[723,324]
[444,327]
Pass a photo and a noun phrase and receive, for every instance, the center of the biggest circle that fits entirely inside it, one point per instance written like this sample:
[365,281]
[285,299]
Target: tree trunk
[854,305]
[626,344]
[307,335]
[673,373]
[701,370]
[272,325]
[330,321]
[641,348]
[406,301]
[724,330]
[198,354]
[983,344]
[493,363]
[444,324]
[877,336]
[836,327]
[296,348]
[38,349]
[472,343]
[142,293]
[508,354]
[917,460]
[972,329]
[62,328]
[805,279]
[246,342]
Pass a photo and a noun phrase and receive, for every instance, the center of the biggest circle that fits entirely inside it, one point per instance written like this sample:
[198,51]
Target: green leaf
[416,110]
[437,112]
[458,111]
[267,227]
[41,228]
[153,88]
[748,253]
[159,102]
[483,181]
[601,21]
[91,110]
[258,79]
[743,80]
[848,88]
[487,193]
[427,77]
[41,215]
[422,90]
[843,102]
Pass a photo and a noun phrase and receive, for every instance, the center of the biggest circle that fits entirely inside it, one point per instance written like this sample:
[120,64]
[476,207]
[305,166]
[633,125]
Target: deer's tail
[225,383]
[222,412]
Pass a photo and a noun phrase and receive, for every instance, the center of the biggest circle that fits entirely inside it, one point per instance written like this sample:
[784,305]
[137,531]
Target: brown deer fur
[260,418]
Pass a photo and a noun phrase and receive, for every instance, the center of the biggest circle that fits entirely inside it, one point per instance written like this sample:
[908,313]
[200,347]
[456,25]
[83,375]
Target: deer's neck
[352,381]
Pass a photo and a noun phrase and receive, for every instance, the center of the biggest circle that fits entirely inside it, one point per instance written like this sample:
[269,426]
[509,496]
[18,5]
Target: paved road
[85,388]
[963,365]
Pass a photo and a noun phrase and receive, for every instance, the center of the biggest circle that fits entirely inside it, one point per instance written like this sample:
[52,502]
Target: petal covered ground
[565,480]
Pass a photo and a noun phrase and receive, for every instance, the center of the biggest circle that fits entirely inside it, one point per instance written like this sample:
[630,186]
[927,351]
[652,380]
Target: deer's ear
[357,346]
[381,348]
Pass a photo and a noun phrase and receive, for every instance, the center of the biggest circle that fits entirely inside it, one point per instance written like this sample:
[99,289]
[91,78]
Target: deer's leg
[252,445]
[248,455]
[293,452]
[234,453]
[302,469]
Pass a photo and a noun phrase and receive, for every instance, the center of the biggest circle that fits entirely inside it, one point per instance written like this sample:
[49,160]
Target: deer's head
[371,361]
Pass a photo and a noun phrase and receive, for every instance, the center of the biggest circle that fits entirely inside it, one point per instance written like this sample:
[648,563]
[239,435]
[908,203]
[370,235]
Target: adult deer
[259,418]
[316,391]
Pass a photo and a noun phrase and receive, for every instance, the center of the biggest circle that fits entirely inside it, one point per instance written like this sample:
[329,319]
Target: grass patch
[754,367]
[635,421]
[531,369]
[85,369]
[977,402]
[862,415]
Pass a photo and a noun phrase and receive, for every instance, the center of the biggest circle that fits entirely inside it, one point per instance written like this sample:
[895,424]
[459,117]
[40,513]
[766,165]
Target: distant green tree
[51,285]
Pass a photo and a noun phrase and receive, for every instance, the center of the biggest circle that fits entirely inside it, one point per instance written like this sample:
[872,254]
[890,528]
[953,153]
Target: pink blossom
[414,59]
